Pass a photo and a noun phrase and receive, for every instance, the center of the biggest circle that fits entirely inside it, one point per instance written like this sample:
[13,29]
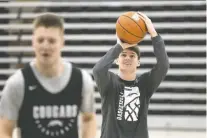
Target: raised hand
[123,44]
[148,22]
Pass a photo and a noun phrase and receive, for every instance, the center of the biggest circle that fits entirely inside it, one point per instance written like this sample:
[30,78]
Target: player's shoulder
[16,79]
[87,77]
[71,66]
[85,72]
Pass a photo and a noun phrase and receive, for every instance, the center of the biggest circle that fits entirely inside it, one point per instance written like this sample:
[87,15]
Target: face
[47,44]
[128,61]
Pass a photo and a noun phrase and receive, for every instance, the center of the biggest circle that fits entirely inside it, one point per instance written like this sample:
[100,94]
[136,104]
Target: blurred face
[47,44]
[128,61]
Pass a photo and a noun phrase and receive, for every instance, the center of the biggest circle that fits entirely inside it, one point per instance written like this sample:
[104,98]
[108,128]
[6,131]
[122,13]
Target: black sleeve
[159,71]
[101,73]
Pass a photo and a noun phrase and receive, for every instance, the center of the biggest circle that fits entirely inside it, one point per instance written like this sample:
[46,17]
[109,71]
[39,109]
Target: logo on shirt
[32,87]
[55,120]
[129,104]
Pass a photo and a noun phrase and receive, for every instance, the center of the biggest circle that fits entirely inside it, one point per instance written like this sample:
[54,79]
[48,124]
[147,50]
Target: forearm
[160,54]
[107,60]
[159,71]
[101,69]
[89,128]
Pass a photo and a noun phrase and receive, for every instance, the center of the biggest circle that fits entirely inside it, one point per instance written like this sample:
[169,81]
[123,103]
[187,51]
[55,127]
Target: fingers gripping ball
[130,28]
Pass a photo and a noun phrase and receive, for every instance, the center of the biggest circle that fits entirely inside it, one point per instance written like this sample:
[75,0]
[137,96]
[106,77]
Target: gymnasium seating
[180,101]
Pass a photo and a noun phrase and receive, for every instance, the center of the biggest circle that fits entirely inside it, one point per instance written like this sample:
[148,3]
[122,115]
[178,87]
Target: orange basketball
[130,28]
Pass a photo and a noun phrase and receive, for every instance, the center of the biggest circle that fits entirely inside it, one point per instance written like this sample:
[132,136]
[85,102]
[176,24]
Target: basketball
[130,28]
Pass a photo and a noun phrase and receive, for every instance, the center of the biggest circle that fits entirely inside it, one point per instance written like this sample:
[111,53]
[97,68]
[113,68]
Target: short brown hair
[49,20]
[136,50]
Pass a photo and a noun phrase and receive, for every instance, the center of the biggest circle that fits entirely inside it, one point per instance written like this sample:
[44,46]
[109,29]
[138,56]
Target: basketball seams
[127,30]
[134,21]
[130,29]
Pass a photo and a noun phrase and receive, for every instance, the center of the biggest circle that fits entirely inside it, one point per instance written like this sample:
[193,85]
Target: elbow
[96,70]
[89,125]
[89,117]
[167,63]
[166,66]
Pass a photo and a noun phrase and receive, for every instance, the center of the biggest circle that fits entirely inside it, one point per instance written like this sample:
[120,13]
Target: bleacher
[180,101]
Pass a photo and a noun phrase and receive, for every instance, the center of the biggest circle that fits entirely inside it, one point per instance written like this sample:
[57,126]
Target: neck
[127,76]
[52,70]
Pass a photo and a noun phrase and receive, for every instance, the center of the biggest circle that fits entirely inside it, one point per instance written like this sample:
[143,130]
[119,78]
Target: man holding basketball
[45,97]
[125,97]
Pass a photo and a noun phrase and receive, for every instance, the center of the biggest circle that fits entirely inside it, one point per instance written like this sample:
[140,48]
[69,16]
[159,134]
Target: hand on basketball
[123,44]
[148,22]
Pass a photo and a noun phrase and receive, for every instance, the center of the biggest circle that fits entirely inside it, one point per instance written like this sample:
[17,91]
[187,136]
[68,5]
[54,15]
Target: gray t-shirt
[125,103]
[13,92]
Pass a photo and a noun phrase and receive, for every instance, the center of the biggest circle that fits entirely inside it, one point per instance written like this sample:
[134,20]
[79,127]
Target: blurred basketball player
[125,97]
[44,98]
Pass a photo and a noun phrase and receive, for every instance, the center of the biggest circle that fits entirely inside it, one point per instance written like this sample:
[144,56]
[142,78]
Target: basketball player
[125,97]
[44,98]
